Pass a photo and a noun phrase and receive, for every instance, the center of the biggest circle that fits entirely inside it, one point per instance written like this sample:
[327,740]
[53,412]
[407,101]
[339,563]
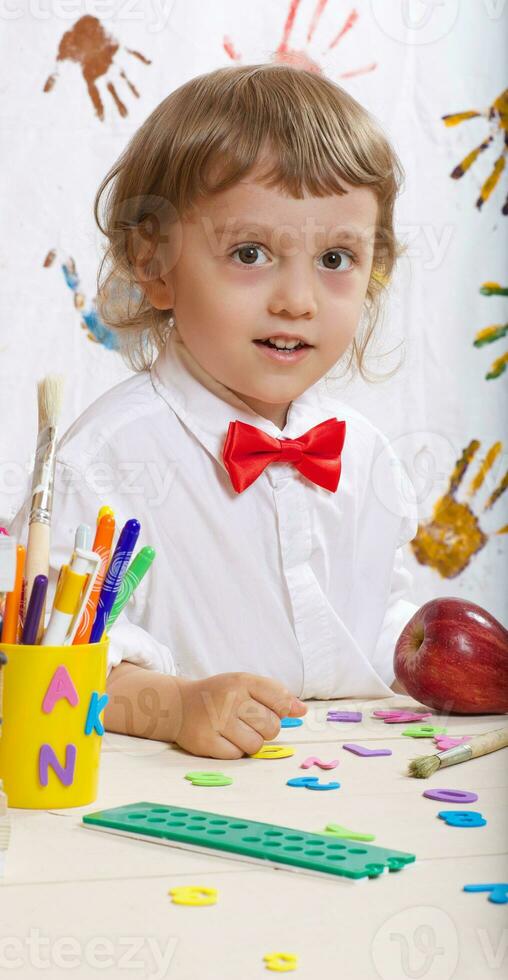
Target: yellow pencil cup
[52,723]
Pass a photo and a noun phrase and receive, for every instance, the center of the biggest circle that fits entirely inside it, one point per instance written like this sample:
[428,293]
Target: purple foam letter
[360,750]
[47,758]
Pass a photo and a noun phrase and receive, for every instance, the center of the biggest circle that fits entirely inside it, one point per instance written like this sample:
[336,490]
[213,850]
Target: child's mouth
[289,355]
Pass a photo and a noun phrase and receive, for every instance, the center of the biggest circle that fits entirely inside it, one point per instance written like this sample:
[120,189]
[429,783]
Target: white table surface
[90,904]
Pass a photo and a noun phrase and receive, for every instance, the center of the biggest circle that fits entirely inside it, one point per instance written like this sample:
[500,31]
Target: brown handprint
[453,535]
[88,44]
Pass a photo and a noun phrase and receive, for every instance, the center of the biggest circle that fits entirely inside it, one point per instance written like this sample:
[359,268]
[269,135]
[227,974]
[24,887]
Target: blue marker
[114,575]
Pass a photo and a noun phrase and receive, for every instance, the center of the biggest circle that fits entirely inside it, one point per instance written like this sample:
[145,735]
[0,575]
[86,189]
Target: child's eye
[247,250]
[335,255]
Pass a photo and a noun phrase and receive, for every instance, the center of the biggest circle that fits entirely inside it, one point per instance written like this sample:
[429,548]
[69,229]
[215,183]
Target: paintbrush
[426,765]
[49,403]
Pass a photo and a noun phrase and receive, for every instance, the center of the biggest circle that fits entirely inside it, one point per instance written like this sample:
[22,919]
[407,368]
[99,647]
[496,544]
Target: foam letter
[97,704]
[313,760]
[60,686]
[462,818]
[47,758]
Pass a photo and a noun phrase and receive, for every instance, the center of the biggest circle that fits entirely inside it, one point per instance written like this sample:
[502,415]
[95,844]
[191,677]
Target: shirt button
[280,473]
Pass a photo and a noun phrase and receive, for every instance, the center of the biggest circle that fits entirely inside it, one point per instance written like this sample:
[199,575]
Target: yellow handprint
[497,115]
[89,45]
[448,541]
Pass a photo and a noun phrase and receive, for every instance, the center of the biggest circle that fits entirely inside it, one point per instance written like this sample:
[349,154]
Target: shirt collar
[207,407]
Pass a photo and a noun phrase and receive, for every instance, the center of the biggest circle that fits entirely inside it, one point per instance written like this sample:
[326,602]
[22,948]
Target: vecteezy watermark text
[155,13]
[99,953]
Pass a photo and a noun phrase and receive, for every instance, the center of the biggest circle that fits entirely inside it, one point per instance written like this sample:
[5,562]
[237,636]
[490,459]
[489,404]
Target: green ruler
[249,839]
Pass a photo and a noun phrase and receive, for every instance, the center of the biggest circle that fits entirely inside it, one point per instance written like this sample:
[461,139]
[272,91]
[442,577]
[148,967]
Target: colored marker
[119,562]
[33,613]
[135,572]
[102,545]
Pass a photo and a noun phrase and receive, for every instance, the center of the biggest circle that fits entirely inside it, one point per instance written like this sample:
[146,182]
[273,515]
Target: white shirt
[286,579]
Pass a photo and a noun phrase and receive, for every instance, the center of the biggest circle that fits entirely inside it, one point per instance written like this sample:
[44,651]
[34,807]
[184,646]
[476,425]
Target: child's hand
[228,715]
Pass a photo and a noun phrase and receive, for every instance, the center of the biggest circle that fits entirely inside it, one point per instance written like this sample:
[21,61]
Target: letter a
[60,686]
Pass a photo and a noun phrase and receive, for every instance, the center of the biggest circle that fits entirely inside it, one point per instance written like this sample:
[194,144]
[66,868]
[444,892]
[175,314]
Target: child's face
[254,264]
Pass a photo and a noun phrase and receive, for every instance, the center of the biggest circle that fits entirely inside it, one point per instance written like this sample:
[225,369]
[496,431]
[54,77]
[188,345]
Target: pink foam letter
[60,686]
[314,761]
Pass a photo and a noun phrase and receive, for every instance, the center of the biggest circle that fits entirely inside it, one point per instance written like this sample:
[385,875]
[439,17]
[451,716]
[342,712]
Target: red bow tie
[316,453]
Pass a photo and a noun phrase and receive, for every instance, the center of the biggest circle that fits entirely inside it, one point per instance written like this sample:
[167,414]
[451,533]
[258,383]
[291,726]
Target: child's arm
[142,702]
[223,717]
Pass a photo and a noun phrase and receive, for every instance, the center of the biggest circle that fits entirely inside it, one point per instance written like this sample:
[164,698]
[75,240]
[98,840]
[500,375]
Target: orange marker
[102,545]
[13,601]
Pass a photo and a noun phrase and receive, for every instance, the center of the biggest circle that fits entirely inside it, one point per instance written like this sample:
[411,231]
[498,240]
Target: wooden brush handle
[37,563]
[489,742]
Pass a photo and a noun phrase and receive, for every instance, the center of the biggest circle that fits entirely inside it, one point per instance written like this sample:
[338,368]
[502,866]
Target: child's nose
[295,292]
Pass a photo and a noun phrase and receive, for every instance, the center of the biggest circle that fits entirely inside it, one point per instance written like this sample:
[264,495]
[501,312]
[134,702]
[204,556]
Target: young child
[251,214]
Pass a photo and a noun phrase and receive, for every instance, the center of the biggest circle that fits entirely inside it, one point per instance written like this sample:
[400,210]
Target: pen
[83,537]
[34,610]
[74,586]
[67,596]
[121,557]
[84,563]
[135,572]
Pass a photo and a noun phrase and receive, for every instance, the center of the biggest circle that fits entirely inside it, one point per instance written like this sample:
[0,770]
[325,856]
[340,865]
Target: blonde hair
[206,136]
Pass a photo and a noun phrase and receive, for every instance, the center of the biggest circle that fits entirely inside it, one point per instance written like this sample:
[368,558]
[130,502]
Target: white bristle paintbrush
[426,765]
[49,403]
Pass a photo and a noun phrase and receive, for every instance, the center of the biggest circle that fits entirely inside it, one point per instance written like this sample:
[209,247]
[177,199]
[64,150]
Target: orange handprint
[88,44]
[448,541]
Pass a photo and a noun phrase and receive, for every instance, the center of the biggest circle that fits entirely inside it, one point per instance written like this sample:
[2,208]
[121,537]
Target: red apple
[453,655]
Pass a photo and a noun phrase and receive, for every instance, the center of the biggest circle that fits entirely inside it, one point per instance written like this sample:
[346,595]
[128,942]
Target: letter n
[47,758]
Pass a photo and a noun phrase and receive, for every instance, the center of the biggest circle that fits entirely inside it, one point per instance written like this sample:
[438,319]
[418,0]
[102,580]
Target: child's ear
[158,292]
[146,258]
